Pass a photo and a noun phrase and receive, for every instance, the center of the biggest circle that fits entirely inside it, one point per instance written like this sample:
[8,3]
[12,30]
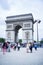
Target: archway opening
[18,33]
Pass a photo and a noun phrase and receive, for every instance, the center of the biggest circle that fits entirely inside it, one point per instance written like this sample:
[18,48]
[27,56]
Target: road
[22,57]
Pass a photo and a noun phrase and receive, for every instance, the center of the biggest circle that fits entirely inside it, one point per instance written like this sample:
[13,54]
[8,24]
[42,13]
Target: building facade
[14,23]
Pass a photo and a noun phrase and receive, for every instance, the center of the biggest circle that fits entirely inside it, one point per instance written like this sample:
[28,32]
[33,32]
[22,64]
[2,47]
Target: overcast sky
[16,7]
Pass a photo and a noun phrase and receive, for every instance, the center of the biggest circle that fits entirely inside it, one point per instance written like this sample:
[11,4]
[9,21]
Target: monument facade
[14,23]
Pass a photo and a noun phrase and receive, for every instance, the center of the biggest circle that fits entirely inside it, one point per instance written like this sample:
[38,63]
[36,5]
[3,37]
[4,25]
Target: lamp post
[38,21]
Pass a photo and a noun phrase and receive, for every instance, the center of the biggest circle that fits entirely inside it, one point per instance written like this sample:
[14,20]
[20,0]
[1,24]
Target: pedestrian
[15,46]
[18,46]
[35,45]
[30,47]
[27,47]
[4,47]
[8,43]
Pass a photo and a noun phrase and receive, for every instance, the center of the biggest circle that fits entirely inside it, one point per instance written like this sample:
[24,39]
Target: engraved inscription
[26,25]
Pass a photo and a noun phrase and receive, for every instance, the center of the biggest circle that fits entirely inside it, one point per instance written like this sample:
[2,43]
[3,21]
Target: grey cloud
[26,4]
[4,4]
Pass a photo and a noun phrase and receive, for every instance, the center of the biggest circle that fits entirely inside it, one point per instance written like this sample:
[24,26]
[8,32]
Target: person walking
[18,46]
[30,47]
[15,46]
[35,45]
[8,43]
[27,48]
[4,47]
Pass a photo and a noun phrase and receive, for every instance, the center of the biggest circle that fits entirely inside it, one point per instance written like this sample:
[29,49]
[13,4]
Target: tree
[41,42]
[20,40]
[2,40]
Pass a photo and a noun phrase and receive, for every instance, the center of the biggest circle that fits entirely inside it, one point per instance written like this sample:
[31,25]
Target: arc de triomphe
[14,23]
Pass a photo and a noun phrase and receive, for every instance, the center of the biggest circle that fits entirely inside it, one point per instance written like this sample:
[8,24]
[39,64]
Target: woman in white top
[28,47]
[18,46]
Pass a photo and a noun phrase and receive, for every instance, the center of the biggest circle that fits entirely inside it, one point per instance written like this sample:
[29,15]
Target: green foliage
[20,40]
[41,41]
[2,40]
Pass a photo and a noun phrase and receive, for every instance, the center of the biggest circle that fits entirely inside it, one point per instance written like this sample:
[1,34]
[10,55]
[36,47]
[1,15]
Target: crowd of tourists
[7,45]
[30,47]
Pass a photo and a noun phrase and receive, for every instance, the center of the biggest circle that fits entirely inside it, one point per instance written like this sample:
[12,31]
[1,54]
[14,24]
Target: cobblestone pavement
[22,57]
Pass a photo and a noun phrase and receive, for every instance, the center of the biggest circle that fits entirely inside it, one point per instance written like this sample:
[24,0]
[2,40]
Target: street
[22,57]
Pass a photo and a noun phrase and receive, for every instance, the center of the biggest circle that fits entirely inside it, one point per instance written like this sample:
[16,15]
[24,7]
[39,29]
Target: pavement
[22,57]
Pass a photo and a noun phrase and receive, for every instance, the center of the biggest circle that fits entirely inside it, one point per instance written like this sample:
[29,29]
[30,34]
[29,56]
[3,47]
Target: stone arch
[14,23]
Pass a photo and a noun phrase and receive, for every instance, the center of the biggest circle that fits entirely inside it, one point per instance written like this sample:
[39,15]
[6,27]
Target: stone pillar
[10,33]
[10,36]
[13,36]
[27,36]
[27,32]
